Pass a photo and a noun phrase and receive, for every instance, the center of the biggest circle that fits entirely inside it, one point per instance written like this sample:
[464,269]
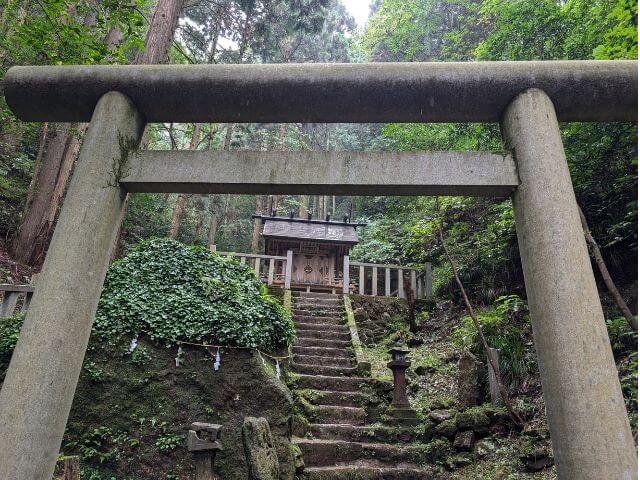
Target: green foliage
[628,370]
[171,292]
[602,157]
[505,328]
[9,333]
[93,372]
[620,335]
[168,442]
[96,446]
[140,356]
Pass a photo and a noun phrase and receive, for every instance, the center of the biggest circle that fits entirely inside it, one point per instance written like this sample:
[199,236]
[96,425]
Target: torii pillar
[586,413]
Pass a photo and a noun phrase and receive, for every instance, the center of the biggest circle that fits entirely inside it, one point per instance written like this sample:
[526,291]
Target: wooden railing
[362,278]
[271,269]
[11,295]
[389,280]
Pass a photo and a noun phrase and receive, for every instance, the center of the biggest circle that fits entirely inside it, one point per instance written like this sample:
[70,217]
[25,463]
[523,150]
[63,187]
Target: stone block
[259,449]
[469,371]
[464,440]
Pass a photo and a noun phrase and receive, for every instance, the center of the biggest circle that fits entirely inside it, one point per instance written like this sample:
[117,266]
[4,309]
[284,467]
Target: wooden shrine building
[318,246]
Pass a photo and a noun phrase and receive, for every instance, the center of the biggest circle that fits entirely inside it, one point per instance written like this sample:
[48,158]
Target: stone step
[318,320]
[329,397]
[335,384]
[326,370]
[319,295]
[326,334]
[339,414]
[323,352]
[303,341]
[358,433]
[318,327]
[317,310]
[322,360]
[323,453]
[316,303]
[368,472]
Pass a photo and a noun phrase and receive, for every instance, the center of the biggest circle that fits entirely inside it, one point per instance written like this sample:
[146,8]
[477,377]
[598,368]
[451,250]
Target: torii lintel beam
[600,91]
[338,173]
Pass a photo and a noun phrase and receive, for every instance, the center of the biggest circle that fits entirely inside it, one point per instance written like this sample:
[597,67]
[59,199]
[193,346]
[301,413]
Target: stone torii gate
[589,426]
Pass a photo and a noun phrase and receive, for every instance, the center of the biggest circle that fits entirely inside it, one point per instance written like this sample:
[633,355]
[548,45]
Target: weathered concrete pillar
[586,413]
[41,380]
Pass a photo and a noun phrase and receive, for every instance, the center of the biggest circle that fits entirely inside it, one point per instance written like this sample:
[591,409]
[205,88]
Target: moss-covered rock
[379,317]
[475,419]
[447,428]
[132,422]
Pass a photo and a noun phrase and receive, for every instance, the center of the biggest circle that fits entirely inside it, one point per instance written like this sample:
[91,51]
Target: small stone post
[586,413]
[203,441]
[40,383]
[400,409]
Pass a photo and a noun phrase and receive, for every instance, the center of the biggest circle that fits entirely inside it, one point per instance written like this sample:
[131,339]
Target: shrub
[172,292]
[9,333]
[505,326]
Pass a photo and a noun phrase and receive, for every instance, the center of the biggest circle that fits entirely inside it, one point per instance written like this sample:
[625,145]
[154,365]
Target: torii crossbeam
[589,427]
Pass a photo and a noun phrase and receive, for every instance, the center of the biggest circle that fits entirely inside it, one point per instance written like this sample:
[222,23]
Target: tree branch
[604,271]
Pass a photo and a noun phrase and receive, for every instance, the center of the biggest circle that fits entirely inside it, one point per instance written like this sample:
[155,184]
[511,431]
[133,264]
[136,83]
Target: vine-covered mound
[170,291]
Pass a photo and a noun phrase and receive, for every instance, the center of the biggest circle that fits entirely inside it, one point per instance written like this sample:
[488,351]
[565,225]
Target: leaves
[172,292]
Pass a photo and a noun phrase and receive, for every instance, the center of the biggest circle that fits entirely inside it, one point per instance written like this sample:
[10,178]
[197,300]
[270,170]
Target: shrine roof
[314,230]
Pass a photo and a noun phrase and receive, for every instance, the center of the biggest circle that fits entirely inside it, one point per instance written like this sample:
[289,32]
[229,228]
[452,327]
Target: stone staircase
[338,444]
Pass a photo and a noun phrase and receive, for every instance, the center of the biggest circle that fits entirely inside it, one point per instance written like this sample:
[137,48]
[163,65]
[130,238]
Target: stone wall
[378,317]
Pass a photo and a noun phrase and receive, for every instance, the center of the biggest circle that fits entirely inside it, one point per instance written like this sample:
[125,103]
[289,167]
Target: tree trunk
[255,237]
[33,233]
[160,34]
[213,229]
[47,187]
[156,50]
[227,137]
[604,271]
[304,206]
[178,210]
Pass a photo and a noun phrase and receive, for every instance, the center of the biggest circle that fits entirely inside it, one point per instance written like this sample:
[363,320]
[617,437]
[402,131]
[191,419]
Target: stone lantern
[203,441]
[400,411]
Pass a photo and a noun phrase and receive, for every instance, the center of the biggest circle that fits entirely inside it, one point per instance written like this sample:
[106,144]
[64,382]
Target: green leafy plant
[96,445]
[95,373]
[169,442]
[140,356]
[9,333]
[173,292]
[504,326]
